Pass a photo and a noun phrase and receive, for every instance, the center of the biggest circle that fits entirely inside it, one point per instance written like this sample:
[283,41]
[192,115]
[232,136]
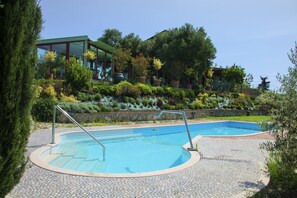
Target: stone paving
[228,167]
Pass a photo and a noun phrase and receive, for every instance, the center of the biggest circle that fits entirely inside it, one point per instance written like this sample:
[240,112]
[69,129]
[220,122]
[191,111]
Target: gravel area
[228,166]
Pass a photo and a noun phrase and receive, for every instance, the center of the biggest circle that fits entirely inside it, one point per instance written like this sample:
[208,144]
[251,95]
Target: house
[76,47]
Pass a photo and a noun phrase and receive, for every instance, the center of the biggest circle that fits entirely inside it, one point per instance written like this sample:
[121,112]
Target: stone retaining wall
[126,116]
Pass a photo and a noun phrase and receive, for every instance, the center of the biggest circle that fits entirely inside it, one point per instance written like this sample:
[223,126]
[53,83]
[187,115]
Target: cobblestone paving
[227,167]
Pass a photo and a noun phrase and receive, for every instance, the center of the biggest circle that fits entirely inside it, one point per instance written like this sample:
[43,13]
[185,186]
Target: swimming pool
[135,150]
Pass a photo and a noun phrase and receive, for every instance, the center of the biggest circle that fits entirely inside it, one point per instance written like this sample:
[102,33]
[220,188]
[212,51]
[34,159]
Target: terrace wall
[127,116]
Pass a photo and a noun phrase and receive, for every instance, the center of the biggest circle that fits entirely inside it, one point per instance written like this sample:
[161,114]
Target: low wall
[126,116]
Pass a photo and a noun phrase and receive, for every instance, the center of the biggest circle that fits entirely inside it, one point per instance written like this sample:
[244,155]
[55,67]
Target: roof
[98,44]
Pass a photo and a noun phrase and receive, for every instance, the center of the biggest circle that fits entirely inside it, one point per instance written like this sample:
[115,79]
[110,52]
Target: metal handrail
[75,122]
[186,123]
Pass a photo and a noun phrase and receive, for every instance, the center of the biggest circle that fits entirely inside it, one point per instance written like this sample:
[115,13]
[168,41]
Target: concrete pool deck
[229,167]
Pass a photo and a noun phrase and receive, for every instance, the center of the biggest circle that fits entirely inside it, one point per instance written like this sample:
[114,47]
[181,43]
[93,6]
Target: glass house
[76,47]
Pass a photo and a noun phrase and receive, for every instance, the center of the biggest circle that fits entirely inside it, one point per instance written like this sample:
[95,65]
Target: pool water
[137,150]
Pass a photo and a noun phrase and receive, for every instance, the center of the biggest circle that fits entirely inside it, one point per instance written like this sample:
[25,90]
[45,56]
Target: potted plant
[120,59]
[50,57]
[140,65]
[190,74]
[157,65]
[175,69]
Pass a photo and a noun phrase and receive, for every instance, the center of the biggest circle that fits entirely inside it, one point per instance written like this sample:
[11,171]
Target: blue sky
[255,34]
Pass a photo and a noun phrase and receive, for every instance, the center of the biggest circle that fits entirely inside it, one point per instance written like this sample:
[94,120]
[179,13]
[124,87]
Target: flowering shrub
[157,65]
[90,55]
[50,56]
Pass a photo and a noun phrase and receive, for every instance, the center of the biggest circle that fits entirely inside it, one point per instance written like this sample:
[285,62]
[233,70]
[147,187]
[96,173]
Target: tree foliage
[120,59]
[264,84]
[283,160]
[111,37]
[234,75]
[181,48]
[20,23]
[131,42]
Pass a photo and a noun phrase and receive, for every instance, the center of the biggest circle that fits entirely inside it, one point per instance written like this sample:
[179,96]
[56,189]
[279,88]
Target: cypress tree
[20,25]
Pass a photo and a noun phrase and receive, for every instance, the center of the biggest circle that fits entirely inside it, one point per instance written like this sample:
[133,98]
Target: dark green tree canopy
[234,75]
[111,37]
[180,48]
[131,42]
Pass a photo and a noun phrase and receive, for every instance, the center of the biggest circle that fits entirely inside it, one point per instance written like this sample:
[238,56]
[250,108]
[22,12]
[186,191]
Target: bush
[77,75]
[42,109]
[178,94]
[159,91]
[160,102]
[125,88]
[83,107]
[107,90]
[282,176]
[189,94]
[180,106]
[144,89]
[70,98]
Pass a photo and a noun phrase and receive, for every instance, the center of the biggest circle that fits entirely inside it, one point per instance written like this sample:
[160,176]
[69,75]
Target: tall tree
[131,42]
[181,48]
[111,37]
[20,22]
[264,84]
[234,75]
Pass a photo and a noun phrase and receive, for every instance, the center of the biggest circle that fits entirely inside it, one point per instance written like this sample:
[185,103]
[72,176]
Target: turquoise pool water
[137,150]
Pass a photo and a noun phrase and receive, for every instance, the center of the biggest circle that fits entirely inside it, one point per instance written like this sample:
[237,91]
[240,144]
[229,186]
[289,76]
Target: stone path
[228,167]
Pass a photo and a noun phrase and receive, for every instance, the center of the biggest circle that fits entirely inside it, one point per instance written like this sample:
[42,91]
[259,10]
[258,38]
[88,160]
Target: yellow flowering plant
[50,56]
[157,65]
[90,55]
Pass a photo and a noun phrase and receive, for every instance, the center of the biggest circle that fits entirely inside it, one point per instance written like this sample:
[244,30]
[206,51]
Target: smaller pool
[135,150]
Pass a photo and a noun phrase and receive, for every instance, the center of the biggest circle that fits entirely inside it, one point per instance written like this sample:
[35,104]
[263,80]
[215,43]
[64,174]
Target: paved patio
[228,167]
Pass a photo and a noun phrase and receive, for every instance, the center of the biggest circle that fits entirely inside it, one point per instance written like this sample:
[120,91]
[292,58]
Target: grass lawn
[241,118]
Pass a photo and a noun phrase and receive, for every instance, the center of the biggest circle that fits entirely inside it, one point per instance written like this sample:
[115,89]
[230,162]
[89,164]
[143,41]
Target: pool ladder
[75,122]
[180,112]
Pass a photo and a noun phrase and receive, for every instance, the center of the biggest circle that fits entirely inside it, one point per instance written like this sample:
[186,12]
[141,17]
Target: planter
[156,82]
[174,83]
[188,86]
[141,79]
[118,77]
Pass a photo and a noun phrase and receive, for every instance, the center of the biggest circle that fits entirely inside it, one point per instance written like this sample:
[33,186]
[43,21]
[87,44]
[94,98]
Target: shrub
[42,109]
[282,176]
[138,101]
[160,102]
[70,98]
[160,91]
[104,89]
[125,88]
[189,94]
[115,105]
[77,75]
[144,89]
[168,106]
[180,106]
[145,103]
[123,106]
[178,94]
[150,103]
[169,91]
[198,104]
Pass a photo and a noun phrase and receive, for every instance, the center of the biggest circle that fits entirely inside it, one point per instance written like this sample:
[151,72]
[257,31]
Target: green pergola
[76,46]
